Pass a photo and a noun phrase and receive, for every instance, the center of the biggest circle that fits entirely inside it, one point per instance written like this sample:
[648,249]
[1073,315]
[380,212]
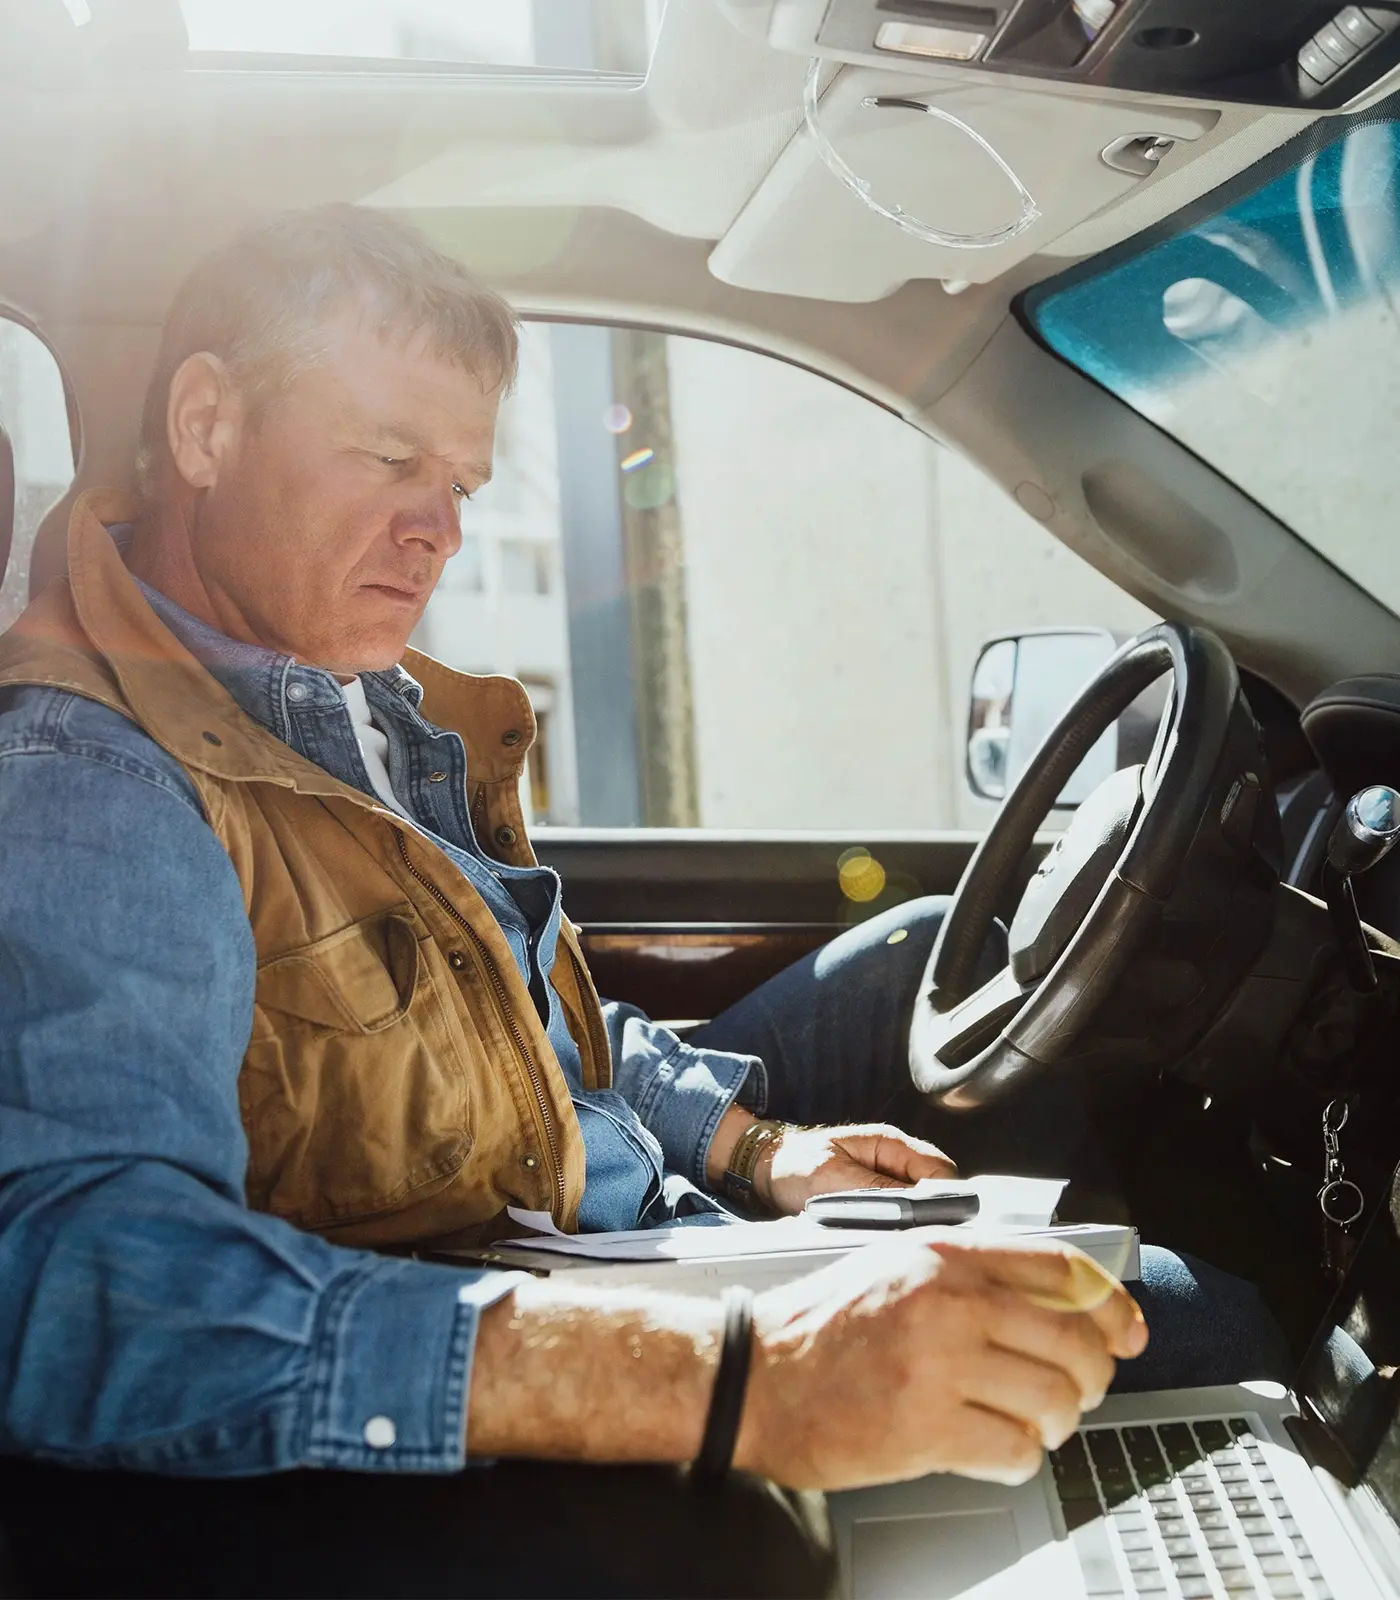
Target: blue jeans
[832,1031]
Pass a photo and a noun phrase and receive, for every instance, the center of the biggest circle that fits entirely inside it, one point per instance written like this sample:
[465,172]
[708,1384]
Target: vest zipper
[493,974]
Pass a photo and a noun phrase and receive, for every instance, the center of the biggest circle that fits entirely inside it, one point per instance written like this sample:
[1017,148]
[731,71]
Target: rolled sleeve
[370,1409]
[679,1091]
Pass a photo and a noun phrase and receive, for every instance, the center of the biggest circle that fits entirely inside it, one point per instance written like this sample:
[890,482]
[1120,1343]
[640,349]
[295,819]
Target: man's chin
[348,658]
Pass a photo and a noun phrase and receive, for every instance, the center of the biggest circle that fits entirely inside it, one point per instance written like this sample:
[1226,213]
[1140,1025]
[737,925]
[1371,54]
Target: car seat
[7,501]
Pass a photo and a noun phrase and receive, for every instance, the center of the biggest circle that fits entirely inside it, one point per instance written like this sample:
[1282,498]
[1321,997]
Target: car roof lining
[573,200]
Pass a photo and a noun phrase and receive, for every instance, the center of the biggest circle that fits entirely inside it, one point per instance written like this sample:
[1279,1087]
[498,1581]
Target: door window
[34,414]
[740,595]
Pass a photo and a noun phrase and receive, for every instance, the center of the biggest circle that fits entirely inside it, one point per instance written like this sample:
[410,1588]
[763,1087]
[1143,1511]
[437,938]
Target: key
[1213,1435]
[1178,1444]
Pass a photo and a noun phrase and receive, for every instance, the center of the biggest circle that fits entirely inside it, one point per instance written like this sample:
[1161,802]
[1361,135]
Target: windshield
[1266,338]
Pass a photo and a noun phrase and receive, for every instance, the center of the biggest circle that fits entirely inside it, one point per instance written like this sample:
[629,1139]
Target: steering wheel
[1094,896]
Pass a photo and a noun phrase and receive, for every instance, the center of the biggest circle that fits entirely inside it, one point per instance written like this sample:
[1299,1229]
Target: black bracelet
[711,1466]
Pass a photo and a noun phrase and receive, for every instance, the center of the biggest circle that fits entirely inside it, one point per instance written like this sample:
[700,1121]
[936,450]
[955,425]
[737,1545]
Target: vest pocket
[353,1090]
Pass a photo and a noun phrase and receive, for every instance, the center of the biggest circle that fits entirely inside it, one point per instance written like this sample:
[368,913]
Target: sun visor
[1004,171]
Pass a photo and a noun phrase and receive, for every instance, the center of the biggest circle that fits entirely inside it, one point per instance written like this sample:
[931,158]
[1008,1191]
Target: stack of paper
[760,1254]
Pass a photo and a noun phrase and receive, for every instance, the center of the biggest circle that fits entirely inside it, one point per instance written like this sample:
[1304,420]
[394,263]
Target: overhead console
[1286,53]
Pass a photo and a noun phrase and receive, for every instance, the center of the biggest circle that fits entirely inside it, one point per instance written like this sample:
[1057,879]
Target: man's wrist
[726,1135]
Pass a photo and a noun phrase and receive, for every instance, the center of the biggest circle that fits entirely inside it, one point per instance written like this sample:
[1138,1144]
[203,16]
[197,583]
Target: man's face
[336,505]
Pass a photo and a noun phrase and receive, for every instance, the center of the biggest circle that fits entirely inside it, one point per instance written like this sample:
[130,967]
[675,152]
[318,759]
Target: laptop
[1178,1495]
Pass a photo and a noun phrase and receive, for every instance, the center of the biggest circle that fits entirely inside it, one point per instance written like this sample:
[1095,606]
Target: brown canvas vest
[398,1084]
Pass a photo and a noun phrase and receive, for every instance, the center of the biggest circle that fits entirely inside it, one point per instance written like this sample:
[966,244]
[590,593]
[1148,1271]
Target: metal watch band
[711,1466]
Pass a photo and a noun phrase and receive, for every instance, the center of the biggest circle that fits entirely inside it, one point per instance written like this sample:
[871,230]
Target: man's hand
[808,1161]
[873,1155]
[907,1358]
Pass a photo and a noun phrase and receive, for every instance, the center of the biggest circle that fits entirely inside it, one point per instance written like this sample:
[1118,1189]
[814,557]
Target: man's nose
[434,520]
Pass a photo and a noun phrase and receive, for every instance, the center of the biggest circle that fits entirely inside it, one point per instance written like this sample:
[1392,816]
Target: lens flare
[638,458]
[860,875]
[617,419]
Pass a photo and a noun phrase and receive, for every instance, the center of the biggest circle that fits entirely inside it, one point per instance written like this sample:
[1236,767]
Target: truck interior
[1186,215]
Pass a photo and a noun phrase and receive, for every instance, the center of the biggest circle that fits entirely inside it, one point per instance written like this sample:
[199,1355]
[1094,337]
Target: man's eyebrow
[401,435]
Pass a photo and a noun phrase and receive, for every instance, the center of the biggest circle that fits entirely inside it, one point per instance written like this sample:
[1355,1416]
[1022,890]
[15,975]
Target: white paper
[1006,1203]
[539,1221]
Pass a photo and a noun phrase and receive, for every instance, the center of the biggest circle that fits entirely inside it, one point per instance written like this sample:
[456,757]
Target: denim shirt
[148,1319]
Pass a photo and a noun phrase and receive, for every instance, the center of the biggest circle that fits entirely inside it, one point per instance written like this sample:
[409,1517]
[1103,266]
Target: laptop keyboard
[1181,1511]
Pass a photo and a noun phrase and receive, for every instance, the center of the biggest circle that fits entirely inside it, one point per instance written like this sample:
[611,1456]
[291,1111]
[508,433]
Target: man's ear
[203,418]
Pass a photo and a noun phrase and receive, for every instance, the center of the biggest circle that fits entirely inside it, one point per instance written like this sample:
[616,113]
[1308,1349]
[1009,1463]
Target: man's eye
[392,461]
[461,491]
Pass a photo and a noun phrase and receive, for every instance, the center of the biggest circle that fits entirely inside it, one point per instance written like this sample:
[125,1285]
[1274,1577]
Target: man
[284,998]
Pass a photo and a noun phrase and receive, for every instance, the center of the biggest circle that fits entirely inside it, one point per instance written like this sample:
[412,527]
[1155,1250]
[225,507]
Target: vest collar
[198,721]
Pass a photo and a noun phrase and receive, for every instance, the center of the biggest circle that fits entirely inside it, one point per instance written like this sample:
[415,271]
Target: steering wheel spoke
[961,1032]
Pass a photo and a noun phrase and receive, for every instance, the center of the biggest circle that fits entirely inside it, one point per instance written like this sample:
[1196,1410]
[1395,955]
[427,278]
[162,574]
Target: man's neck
[161,554]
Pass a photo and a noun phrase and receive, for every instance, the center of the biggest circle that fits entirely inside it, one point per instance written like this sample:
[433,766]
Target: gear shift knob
[1369,826]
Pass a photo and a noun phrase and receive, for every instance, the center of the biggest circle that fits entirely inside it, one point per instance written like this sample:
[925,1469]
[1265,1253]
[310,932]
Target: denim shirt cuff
[678,1090]
[391,1366]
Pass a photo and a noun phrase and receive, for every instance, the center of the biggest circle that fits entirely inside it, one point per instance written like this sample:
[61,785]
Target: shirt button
[511,736]
[380,1433]
[296,691]
[529,1162]
[456,959]
[436,777]
[505,835]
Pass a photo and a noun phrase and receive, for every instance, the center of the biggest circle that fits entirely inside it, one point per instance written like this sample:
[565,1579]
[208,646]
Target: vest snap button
[511,736]
[505,835]
[529,1162]
[436,777]
[456,959]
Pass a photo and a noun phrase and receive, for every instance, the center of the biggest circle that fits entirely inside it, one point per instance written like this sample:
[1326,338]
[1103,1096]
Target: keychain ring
[1335,1117]
[1336,1197]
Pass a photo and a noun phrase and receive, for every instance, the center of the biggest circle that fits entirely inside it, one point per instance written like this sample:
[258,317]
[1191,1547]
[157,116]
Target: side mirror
[1020,687]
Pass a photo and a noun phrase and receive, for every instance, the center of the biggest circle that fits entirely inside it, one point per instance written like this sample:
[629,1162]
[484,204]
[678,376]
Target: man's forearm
[592,1375]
